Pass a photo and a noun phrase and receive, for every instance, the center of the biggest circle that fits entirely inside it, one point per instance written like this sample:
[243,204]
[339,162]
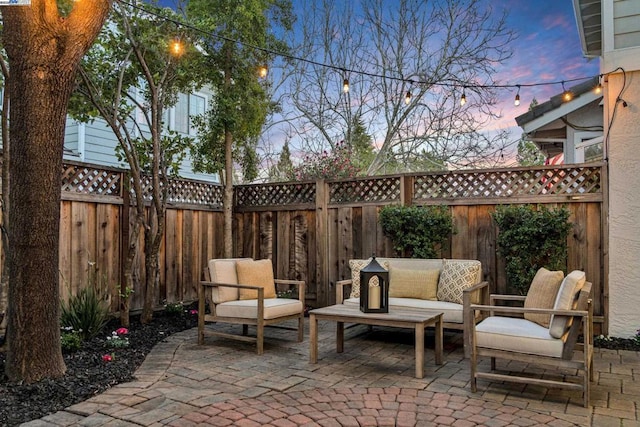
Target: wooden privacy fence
[311,229]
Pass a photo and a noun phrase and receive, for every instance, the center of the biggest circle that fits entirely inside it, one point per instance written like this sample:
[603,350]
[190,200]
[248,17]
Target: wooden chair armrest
[502,297]
[522,310]
[340,285]
[230,285]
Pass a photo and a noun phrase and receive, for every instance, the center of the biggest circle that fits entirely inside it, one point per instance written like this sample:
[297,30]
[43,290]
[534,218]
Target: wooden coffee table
[399,318]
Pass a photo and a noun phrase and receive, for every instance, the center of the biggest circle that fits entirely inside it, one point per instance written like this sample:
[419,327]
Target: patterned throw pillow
[419,284]
[257,273]
[542,294]
[455,277]
[356,265]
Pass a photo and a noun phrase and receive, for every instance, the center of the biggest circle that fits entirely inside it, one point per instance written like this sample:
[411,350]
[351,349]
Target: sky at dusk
[547,49]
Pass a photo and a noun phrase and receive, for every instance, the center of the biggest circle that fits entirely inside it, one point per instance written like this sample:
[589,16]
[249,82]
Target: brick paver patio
[224,383]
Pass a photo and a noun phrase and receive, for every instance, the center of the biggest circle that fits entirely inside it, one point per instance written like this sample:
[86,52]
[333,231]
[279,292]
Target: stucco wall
[624,206]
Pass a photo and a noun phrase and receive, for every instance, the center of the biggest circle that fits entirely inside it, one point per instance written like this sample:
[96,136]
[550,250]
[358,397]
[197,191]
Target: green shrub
[70,340]
[85,312]
[529,239]
[417,232]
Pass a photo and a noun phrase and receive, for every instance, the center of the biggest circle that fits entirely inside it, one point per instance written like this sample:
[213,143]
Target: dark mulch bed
[87,374]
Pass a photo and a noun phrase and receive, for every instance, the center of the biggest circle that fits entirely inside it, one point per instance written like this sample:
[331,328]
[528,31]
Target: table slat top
[394,314]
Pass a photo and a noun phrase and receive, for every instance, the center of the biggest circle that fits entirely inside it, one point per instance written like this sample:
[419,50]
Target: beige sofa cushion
[565,300]
[248,309]
[455,277]
[542,294]
[517,334]
[224,271]
[413,283]
[257,273]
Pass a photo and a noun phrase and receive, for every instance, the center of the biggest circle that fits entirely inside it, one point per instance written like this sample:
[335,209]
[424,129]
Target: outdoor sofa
[449,286]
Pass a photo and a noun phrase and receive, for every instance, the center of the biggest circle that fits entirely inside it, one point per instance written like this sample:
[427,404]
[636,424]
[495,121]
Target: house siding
[626,23]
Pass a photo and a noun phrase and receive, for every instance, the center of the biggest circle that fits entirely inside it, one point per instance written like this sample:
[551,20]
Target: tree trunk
[6,143]
[44,51]
[228,195]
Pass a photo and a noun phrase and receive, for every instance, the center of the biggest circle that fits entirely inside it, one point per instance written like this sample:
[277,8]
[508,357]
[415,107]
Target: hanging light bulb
[598,89]
[463,98]
[176,47]
[516,102]
[566,94]
[407,98]
[262,71]
[345,85]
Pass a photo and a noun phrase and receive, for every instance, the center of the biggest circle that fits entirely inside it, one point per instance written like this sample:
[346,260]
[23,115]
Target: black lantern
[374,288]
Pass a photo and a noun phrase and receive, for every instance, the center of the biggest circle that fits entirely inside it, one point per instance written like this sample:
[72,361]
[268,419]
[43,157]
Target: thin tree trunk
[6,143]
[228,195]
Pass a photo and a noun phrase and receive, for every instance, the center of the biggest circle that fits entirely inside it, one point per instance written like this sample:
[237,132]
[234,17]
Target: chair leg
[472,362]
[260,339]
[493,363]
[301,328]
[245,330]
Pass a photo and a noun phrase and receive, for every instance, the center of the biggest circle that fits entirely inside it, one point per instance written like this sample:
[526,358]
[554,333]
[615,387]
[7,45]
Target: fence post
[406,190]
[322,249]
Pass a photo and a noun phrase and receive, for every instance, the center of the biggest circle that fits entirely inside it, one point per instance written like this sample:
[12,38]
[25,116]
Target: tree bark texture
[44,50]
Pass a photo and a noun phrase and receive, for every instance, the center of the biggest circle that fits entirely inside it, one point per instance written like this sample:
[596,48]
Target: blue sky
[547,49]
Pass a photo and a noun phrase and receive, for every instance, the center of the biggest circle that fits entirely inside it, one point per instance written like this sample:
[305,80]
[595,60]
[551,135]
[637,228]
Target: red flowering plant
[329,165]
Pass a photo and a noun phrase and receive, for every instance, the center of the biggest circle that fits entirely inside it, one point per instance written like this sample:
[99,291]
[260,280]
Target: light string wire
[449,83]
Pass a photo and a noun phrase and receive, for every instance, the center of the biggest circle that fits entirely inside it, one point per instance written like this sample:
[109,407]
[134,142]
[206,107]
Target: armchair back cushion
[542,294]
[565,300]
[224,271]
[256,273]
[455,277]
[413,283]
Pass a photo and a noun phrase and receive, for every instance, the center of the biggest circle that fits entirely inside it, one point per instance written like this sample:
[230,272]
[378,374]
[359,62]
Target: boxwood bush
[417,232]
[529,239]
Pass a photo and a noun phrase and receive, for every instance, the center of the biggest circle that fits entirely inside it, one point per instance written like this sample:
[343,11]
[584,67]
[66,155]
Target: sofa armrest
[300,284]
[340,285]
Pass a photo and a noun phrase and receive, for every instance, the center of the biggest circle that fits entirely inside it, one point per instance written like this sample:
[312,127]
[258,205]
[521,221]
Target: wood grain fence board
[189,243]
[357,233]
[460,239]
[594,266]
[335,264]
[108,251]
[266,235]
[370,231]
[486,243]
[345,236]
[312,261]
[79,246]
[65,255]
[167,289]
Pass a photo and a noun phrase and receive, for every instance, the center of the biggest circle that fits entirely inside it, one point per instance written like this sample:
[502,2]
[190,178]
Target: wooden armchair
[243,291]
[517,339]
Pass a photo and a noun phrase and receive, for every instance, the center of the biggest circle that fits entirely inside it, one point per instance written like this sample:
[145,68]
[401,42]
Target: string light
[407,98]
[262,71]
[566,94]
[463,98]
[176,48]
[516,102]
[598,88]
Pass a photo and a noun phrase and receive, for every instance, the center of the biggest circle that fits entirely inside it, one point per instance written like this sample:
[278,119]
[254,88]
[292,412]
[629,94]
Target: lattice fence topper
[383,189]
[276,194]
[506,183]
[184,191]
[90,180]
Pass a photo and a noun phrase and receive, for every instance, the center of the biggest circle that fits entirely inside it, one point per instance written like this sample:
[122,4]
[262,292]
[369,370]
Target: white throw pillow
[565,300]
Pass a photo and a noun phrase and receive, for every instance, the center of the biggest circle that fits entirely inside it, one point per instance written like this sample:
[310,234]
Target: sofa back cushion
[413,283]
[256,273]
[356,265]
[455,277]
[565,300]
[224,271]
[542,294]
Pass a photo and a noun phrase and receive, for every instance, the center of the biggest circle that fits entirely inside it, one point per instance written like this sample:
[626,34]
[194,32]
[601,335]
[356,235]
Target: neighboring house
[610,30]
[95,143]
[573,128]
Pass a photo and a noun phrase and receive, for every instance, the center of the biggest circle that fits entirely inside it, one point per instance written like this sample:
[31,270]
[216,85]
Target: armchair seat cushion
[517,335]
[248,309]
[451,312]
